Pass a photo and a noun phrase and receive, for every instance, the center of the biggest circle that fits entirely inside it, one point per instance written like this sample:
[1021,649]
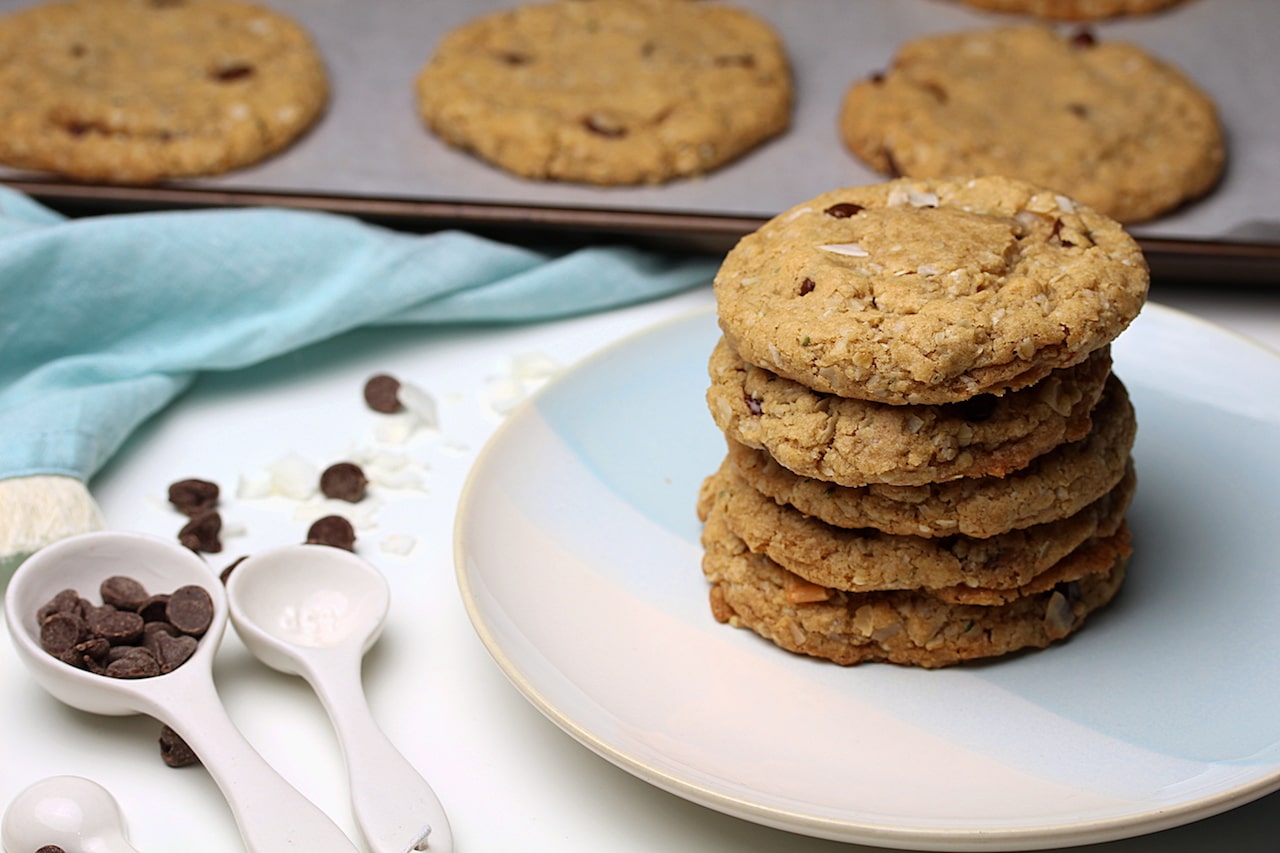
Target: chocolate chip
[60,632]
[117,627]
[513,58]
[806,287]
[171,652]
[193,497]
[201,533]
[1083,38]
[231,567]
[1078,110]
[344,481]
[123,593]
[737,60]
[152,610]
[843,210]
[232,71]
[190,609]
[137,663]
[51,848]
[753,405]
[382,393]
[67,601]
[877,78]
[332,530]
[977,409]
[174,750]
[90,654]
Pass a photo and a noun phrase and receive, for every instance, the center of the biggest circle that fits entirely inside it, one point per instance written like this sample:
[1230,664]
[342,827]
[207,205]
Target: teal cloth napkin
[104,320]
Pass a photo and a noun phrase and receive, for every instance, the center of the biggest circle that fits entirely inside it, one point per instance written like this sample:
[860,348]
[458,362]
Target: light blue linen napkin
[104,320]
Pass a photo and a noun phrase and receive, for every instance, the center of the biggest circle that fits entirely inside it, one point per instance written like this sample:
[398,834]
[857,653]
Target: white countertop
[510,778]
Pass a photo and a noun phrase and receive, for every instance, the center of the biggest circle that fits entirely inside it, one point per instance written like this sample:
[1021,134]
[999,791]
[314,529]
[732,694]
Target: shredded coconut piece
[853,250]
[294,477]
[397,543]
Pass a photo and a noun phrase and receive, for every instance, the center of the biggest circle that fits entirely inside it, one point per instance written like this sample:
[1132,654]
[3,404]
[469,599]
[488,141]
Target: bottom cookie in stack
[930,574]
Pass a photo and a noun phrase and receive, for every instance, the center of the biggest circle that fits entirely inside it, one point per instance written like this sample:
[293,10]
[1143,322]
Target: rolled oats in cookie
[608,91]
[748,590]
[138,91]
[852,442]
[930,291]
[959,568]
[1101,121]
[1055,485]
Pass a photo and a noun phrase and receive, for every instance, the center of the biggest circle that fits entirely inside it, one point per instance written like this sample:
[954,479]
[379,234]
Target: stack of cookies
[929,456]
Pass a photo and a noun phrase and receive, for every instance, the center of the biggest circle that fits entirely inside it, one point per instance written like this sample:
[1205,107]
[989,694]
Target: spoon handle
[395,807]
[272,815]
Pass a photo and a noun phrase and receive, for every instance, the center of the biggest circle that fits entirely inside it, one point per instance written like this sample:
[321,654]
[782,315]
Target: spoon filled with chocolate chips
[121,623]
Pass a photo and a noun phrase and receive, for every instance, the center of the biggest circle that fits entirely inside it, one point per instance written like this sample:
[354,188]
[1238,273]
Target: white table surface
[510,779]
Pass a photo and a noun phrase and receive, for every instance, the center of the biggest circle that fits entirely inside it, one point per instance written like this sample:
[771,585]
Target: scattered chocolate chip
[603,125]
[201,533]
[60,632]
[344,481]
[123,592]
[806,287]
[231,72]
[174,750]
[193,497]
[843,210]
[190,609]
[231,567]
[382,393]
[332,530]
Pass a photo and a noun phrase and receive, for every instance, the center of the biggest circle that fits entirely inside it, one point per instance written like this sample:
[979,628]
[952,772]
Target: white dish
[577,553]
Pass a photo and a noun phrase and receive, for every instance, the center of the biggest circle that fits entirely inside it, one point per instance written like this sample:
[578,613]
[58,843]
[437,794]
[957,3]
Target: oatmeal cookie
[1075,10]
[856,442]
[608,91]
[1056,485]
[748,590]
[1103,122]
[137,91]
[929,291]
[956,568]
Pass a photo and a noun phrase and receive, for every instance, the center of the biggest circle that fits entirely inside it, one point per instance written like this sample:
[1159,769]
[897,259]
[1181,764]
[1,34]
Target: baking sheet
[370,154]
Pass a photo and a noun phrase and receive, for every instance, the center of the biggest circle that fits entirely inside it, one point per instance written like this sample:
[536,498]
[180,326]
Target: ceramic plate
[577,552]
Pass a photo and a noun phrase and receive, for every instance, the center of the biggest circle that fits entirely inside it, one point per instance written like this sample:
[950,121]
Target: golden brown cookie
[608,91]
[1074,10]
[1103,122]
[955,568]
[1056,485]
[751,591]
[136,91]
[929,291]
[856,442]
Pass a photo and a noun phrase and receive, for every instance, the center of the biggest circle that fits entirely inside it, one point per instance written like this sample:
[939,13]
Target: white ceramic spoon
[72,812]
[313,610]
[271,814]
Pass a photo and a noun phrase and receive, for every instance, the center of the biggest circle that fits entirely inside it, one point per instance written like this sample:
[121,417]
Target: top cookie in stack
[929,459]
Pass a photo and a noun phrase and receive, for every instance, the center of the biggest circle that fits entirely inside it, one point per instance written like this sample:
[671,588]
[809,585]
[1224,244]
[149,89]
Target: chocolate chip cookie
[1075,10]
[1101,121]
[610,91]
[929,291]
[137,91]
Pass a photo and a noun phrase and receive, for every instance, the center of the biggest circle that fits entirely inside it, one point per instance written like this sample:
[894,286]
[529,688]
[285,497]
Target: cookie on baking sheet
[1055,485]
[748,590]
[955,568]
[929,291]
[608,91]
[857,442]
[1103,122]
[1075,10]
[137,91]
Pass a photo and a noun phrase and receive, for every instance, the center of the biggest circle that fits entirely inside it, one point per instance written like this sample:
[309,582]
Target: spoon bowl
[271,814]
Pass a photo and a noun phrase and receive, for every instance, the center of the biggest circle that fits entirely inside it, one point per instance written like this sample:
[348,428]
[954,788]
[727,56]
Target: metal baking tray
[371,156]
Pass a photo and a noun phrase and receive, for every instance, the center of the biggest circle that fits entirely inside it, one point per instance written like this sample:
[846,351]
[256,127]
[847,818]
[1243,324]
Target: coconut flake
[853,250]
[420,404]
[397,544]
[294,477]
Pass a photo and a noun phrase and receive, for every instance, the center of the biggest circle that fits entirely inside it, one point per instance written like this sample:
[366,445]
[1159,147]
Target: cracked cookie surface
[958,569]
[1104,122]
[1055,485]
[748,590]
[929,291]
[609,91]
[854,442]
[137,91]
